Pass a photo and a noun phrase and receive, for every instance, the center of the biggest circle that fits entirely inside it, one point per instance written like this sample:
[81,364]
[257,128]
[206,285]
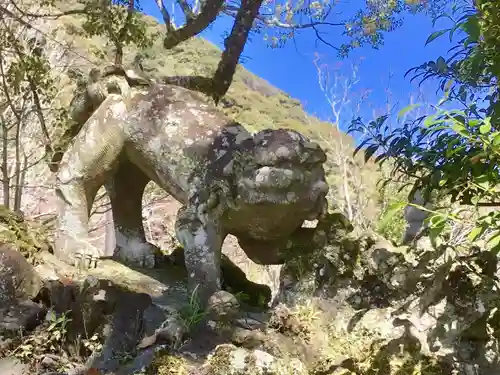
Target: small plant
[49,340]
[194,313]
[307,313]
[93,343]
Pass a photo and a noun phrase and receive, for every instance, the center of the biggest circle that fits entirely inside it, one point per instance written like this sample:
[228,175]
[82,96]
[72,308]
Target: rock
[171,331]
[248,339]
[166,363]
[12,366]
[18,284]
[372,294]
[122,333]
[285,322]
[18,278]
[234,280]
[49,361]
[223,306]
[21,317]
[415,217]
[228,359]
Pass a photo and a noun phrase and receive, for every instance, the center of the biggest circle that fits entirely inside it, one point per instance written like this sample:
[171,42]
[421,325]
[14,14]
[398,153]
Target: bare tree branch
[217,86]
[186,9]
[208,13]
[123,32]
[165,15]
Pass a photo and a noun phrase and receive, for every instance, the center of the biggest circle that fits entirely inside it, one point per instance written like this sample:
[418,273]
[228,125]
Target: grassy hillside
[251,100]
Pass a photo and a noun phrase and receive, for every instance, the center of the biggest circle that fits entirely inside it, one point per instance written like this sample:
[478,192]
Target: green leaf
[443,182]
[496,140]
[485,128]
[494,241]
[434,235]
[370,151]
[407,109]
[441,64]
[460,129]
[475,233]
[362,144]
[392,210]
[437,221]
[435,35]
[471,27]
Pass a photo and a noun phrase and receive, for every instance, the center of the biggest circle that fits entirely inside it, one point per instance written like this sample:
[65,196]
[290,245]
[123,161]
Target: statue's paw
[142,255]
[86,258]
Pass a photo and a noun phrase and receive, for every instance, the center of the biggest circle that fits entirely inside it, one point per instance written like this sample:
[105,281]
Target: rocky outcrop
[349,302]
[369,292]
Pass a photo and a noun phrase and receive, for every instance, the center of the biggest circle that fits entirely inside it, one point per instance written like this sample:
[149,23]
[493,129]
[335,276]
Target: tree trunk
[234,45]
[18,164]
[5,163]
[118,54]
[20,188]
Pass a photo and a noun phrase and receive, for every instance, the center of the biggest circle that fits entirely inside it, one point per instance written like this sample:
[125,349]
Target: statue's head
[282,184]
[91,91]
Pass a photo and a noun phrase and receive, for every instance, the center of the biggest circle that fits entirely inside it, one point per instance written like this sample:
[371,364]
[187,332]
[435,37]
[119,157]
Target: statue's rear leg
[125,190]
[83,170]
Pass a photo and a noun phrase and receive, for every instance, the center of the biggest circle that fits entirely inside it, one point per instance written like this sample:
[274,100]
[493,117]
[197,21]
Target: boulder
[19,284]
[370,297]
[12,366]
[18,278]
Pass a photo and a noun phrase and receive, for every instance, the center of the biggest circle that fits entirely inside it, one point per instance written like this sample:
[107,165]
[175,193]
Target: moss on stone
[364,353]
[165,363]
[27,237]
[220,361]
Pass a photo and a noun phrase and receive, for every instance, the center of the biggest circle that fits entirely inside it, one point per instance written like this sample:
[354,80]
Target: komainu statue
[259,188]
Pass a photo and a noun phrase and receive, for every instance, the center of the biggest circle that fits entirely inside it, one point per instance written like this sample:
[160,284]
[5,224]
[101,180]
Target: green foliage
[194,313]
[118,22]
[367,26]
[453,152]
[28,69]
[49,340]
[392,223]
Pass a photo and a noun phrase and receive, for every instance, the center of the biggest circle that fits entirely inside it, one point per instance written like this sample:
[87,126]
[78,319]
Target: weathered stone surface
[365,290]
[234,280]
[18,279]
[223,176]
[223,305]
[415,218]
[12,366]
[228,359]
[20,316]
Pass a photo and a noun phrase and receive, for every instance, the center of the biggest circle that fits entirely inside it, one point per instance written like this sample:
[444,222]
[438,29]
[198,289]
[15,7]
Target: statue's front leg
[125,190]
[85,167]
[74,202]
[201,239]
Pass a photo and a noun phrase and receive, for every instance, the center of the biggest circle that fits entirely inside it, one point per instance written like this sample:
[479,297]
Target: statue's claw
[86,259]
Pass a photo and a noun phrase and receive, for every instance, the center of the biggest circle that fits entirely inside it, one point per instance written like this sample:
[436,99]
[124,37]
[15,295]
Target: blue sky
[292,70]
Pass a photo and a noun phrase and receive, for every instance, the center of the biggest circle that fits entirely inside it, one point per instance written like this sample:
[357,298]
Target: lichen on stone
[166,363]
